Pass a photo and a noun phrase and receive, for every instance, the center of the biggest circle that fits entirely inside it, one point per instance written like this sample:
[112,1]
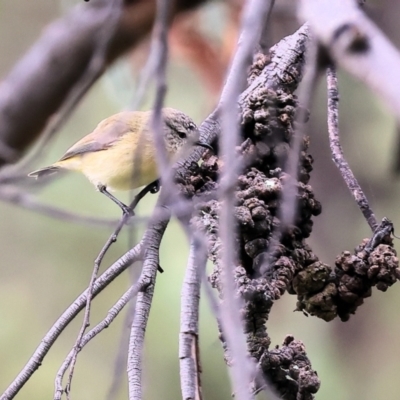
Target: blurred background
[45,263]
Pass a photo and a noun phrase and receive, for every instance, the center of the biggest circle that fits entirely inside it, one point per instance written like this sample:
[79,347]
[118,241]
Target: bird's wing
[106,134]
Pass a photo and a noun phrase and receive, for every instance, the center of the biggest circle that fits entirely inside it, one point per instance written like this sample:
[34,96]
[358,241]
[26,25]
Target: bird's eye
[182,134]
[192,126]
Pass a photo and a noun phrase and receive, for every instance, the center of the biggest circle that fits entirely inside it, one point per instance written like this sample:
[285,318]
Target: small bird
[120,153]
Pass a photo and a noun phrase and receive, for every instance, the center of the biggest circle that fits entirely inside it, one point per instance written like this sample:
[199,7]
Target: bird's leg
[125,209]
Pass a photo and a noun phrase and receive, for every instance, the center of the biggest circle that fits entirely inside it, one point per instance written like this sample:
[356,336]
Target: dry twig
[254,18]
[105,323]
[337,152]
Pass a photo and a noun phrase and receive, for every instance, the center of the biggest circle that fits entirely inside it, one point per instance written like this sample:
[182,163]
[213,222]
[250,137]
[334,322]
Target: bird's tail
[39,173]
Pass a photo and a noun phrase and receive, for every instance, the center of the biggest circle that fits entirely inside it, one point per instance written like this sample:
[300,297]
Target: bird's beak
[205,145]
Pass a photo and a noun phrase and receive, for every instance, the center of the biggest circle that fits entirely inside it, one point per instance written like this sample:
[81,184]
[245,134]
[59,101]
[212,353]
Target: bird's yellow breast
[128,164]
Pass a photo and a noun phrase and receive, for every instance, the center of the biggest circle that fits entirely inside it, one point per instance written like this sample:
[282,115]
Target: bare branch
[160,46]
[37,87]
[95,67]
[105,323]
[337,152]
[86,319]
[121,356]
[154,234]
[69,314]
[189,354]
[151,246]
[357,45]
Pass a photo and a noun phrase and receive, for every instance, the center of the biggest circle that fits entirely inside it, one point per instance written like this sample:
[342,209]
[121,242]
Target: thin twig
[189,354]
[68,315]
[254,18]
[337,151]
[145,77]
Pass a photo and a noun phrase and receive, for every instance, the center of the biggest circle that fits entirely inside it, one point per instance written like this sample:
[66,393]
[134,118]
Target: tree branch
[42,81]
[151,246]
[105,323]
[189,353]
[69,314]
[357,45]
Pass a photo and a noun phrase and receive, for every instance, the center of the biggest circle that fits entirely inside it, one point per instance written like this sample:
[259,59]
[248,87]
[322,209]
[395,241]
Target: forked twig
[114,311]
[86,319]
[68,315]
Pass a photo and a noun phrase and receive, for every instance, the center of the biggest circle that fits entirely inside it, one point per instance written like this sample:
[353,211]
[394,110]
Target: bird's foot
[155,187]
